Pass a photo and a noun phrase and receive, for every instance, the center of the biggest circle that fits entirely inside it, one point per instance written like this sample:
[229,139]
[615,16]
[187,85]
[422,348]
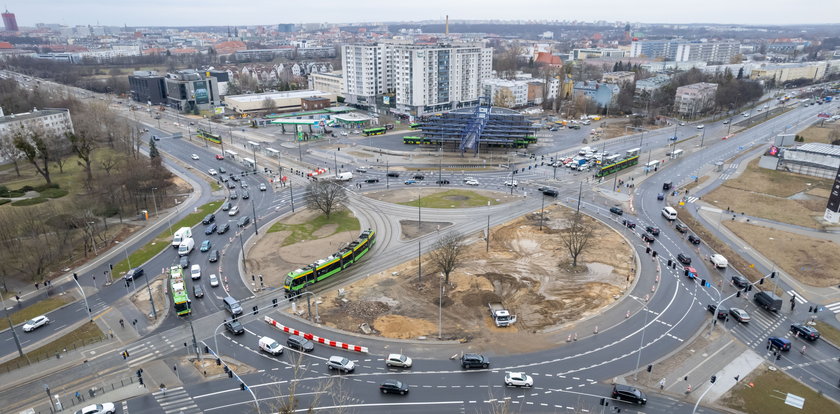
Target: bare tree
[9,151]
[326,195]
[36,148]
[577,236]
[449,253]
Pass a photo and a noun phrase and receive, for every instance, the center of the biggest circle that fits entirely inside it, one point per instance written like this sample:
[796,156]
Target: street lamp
[154,200]
[641,344]
[440,309]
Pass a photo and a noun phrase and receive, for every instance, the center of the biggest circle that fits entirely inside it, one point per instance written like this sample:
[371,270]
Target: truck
[500,315]
[768,301]
[180,235]
[186,246]
[345,176]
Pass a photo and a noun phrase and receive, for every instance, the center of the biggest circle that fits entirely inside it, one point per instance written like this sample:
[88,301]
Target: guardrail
[318,339]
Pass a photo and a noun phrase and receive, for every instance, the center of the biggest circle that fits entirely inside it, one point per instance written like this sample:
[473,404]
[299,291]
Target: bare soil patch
[141,298]
[411,195]
[819,134]
[522,270]
[411,230]
[810,261]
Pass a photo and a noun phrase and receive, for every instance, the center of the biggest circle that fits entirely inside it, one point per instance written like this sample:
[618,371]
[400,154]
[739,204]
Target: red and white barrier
[309,336]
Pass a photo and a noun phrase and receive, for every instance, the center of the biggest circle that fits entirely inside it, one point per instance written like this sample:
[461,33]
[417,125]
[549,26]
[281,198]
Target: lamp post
[76,279]
[440,309]
[242,247]
[641,344]
[154,200]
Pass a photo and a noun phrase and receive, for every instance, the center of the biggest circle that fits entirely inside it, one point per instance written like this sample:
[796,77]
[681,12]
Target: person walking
[122,323]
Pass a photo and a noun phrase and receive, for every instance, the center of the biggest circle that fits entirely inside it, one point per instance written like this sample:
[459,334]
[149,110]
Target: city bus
[617,166]
[373,131]
[413,140]
[214,138]
[179,291]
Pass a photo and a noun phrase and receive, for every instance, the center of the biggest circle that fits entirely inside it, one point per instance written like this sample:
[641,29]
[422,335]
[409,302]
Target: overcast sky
[267,12]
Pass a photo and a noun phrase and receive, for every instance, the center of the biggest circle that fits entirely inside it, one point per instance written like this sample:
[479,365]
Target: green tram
[297,280]
[214,138]
[415,126]
[373,131]
[617,166]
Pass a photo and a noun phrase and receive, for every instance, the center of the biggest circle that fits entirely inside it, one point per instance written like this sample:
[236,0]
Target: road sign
[795,401]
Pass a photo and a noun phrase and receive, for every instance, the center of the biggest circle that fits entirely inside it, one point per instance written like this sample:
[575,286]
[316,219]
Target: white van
[719,261]
[669,213]
[180,235]
[271,346]
[195,272]
[186,247]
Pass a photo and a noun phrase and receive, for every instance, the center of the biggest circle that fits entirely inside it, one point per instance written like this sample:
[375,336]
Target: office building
[190,91]
[9,21]
[147,87]
[695,99]
[278,102]
[52,122]
[684,51]
[618,78]
[602,94]
[331,82]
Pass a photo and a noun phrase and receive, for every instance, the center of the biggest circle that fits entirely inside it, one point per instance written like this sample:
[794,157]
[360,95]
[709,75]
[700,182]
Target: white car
[195,271]
[469,179]
[212,172]
[214,281]
[233,211]
[398,360]
[98,409]
[518,379]
[472,182]
[701,126]
[511,183]
[361,169]
[194,156]
[682,123]
[35,323]
[719,261]
[746,115]
[263,187]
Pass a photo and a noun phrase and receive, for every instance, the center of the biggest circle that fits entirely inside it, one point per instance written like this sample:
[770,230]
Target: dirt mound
[480,298]
[403,327]
[364,310]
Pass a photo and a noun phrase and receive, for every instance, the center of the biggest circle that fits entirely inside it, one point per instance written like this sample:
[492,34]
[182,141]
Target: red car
[690,272]
[220,157]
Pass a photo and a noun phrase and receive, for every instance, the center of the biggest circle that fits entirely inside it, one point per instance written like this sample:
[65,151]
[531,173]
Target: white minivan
[186,247]
[271,346]
[669,213]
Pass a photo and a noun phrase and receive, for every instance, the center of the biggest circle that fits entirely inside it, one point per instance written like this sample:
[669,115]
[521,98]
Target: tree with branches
[154,154]
[326,195]
[577,236]
[449,253]
[36,148]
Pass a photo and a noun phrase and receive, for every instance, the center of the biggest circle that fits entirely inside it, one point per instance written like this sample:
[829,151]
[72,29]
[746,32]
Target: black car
[222,170]
[616,210]
[682,228]
[684,259]
[442,182]
[419,177]
[300,343]
[648,238]
[223,228]
[231,185]
[134,273]
[628,393]
[372,180]
[550,192]
[469,361]
[393,174]
[246,195]
[243,221]
[211,228]
[198,291]
[226,206]
[235,327]
[740,282]
[629,224]
[667,185]
[185,262]
[390,386]
[721,313]
[652,230]
[233,177]
[209,219]
[233,195]
[805,331]
[214,256]
[693,239]
[660,196]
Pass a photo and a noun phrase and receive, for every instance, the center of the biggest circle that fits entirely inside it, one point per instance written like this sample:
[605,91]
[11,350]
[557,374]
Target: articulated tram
[297,280]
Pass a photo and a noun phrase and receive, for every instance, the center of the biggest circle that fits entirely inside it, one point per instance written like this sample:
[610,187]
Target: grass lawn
[811,261]
[767,395]
[343,220]
[39,308]
[828,332]
[453,199]
[819,134]
[163,240]
[81,336]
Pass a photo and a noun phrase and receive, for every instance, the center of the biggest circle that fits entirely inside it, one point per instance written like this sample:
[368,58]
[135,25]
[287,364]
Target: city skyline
[222,13]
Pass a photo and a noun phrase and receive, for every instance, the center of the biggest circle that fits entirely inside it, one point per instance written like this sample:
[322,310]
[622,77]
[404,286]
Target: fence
[44,353]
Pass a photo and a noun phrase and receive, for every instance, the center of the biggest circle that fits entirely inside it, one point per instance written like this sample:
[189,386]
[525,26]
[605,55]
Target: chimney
[447,25]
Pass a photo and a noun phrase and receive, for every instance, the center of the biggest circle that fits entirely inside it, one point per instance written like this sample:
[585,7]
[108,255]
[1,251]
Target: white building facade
[52,122]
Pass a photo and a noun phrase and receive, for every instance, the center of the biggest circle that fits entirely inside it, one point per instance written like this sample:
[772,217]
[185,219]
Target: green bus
[179,291]
[413,140]
[373,131]
[617,166]
[214,138]
[297,280]
[414,126]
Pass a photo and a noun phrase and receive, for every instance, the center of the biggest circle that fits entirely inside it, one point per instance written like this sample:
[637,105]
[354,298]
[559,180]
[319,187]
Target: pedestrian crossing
[176,400]
[691,199]
[799,299]
[148,351]
[833,307]
[758,328]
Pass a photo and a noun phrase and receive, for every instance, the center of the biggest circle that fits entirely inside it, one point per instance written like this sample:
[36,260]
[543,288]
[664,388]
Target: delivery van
[669,213]
[186,247]
[180,235]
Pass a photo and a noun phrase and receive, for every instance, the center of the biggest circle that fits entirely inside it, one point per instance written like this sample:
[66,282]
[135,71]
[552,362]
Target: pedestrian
[662,384]
[123,354]
[122,323]
[111,333]
[135,322]
[36,286]
[737,377]
[126,353]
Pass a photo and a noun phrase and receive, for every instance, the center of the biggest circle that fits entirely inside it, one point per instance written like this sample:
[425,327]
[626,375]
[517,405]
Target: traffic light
[761,281]
[226,369]
[218,361]
[242,386]
[75,276]
[140,380]
[230,374]
[274,302]
[702,282]
[669,262]
[686,272]
[256,310]
[738,294]
[206,349]
[772,275]
[649,368]
[816,308]
[139,373]
[714,378]
[110,266]
[604,402]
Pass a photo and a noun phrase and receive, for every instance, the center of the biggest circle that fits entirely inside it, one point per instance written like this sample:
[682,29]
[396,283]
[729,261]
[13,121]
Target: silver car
[35,323]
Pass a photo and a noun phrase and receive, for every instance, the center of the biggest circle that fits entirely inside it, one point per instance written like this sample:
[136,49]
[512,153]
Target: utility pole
[702,137]
[195,342]
[254,210]
[76,279]
[580,192]
[386,175]
[11,326]
[292,194]
[542,212]
[151,298]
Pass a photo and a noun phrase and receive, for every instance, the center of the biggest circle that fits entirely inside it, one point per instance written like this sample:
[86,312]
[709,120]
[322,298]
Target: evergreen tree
[741,73]
[154,155]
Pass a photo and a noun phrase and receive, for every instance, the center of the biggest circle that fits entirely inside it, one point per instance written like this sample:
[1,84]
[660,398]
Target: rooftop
[31,115]
[308,93]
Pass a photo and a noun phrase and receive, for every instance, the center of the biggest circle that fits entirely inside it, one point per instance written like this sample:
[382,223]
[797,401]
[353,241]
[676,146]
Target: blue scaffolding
[471,135]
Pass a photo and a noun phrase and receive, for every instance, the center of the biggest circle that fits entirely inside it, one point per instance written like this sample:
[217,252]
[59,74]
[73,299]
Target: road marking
[798,297]
[833,307]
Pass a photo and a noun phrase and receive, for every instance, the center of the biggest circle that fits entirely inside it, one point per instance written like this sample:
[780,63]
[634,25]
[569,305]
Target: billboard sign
[201,95]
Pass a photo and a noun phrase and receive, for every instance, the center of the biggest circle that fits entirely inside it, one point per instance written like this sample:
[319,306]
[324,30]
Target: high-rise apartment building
[684,51]
[423,78]
[9,21]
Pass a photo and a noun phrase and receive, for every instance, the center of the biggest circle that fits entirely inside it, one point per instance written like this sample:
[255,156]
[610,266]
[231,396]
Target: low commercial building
[52,122]
[787,72]
[147,87]
[602,94]
[587,53]
[619,78]
[289,101]
[695,99]
[331,82]
[189,90]
[814,159]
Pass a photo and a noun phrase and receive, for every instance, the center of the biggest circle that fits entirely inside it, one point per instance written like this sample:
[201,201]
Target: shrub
[4,191]
[54,193]
[43,187]
[29,202]
[4,201]
[26,188]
